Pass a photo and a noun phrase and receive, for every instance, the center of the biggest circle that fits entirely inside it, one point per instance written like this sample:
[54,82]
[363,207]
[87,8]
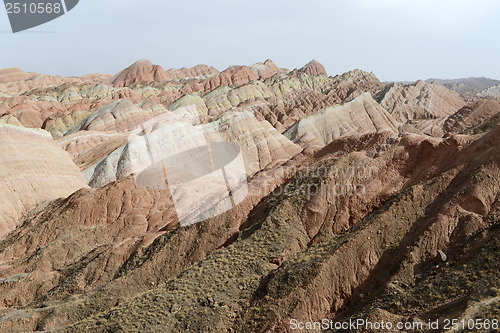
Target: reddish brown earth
[143,71]
[365,200]
[314,67]
[420,100]
[33,170]
[13,75]
[471,115]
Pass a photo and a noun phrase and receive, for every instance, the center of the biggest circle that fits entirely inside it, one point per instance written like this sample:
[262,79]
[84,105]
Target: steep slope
[297,95]
[485,126]
[467,86]
[233,75]
[197,72]
[140,71]
[490,92]
[349,85]
[467,117]
[59,105]
[283,263]
[419,100]
[14,74]
[350,211]
[471,115]
[313,68]
[360,116]
[260,144]
[89,147]
[119,116]
[33,169]
[266,69]
[140,222]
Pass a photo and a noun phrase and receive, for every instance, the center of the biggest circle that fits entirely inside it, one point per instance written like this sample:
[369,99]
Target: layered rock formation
[471,115]
[390,247]
[314,67]
[120,116]
[266,69]
[14,74]
[260,144]
[491,92]
[467,87]
[89,147]
[420,100]
[33,169]
[234,75]
[360,116]
[140,71]
[197,72]
[384,208]
[143,71]
[296,243]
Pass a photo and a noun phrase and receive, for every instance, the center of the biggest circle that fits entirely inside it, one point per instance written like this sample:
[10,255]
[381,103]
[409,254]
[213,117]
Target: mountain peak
[143,62]
[142,70]
[313,67]
[265,69]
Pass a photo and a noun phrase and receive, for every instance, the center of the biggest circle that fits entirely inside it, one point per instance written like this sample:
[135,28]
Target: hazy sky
[396,39]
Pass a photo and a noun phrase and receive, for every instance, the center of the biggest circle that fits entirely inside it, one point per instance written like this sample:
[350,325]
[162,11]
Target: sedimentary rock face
[198,200]
[33,170]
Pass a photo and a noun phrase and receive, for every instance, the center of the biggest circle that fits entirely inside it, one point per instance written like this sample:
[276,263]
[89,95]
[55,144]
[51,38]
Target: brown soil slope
[314,249]
[370,208]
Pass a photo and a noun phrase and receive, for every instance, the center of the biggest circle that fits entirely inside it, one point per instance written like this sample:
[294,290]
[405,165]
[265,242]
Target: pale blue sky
[396,39]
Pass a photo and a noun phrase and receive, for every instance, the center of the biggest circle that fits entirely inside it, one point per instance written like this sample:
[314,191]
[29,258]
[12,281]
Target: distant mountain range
[481,86]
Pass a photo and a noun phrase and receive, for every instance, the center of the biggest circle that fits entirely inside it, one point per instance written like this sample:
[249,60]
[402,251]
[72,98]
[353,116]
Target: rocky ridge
[382,207]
